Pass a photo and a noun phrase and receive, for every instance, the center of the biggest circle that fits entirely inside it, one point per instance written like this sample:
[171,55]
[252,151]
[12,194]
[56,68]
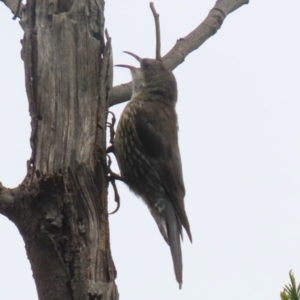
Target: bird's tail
[170,228]
[174,233]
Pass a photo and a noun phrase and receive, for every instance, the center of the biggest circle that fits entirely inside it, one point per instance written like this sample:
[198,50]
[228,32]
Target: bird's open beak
[134,55]
[126,66]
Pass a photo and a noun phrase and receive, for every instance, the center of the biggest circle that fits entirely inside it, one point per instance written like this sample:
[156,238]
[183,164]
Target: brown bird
[147,151]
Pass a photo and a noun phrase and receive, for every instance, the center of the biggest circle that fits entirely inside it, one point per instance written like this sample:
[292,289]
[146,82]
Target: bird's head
[153,77]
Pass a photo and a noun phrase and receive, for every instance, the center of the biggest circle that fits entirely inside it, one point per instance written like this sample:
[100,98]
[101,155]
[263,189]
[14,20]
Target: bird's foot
[112,177]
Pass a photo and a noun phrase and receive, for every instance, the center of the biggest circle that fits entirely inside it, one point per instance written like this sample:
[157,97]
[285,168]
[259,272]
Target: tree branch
[7,200]
[13,6]
[184,46]
[157,30]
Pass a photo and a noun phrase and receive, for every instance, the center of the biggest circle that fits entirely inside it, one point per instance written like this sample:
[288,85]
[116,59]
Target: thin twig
[106,34]
[186,45]
[157,30]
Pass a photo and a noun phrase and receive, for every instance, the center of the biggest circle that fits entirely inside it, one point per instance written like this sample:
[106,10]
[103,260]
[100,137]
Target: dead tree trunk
[60,208]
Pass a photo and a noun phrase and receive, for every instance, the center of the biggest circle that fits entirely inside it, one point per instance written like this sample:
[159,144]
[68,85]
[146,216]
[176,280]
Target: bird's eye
[146,63]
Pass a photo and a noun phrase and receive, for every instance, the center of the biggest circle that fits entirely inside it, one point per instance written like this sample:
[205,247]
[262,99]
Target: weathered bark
[60,208]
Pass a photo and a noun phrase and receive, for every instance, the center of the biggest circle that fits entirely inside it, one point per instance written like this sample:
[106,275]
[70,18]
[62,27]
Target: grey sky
[238,108]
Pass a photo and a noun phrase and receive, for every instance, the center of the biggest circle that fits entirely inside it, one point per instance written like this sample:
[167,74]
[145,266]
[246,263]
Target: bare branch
[157,30]
[204,31]
[16,7]
[120,93]
[7,200]
[186,45]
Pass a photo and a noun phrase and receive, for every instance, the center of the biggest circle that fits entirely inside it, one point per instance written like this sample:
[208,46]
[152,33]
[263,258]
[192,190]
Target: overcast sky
[239,119]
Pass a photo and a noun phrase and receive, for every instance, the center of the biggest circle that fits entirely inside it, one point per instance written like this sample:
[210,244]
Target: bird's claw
[112,177]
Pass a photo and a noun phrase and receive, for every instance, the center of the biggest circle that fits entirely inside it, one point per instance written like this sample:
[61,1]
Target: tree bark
[60,208]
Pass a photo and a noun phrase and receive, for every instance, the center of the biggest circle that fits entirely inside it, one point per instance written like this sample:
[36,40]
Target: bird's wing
[156,128]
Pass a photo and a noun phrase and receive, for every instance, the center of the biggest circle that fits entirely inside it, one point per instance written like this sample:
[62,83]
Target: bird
[147,151]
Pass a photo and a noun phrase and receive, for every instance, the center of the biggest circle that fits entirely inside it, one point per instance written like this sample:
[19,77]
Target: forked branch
[186,45]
